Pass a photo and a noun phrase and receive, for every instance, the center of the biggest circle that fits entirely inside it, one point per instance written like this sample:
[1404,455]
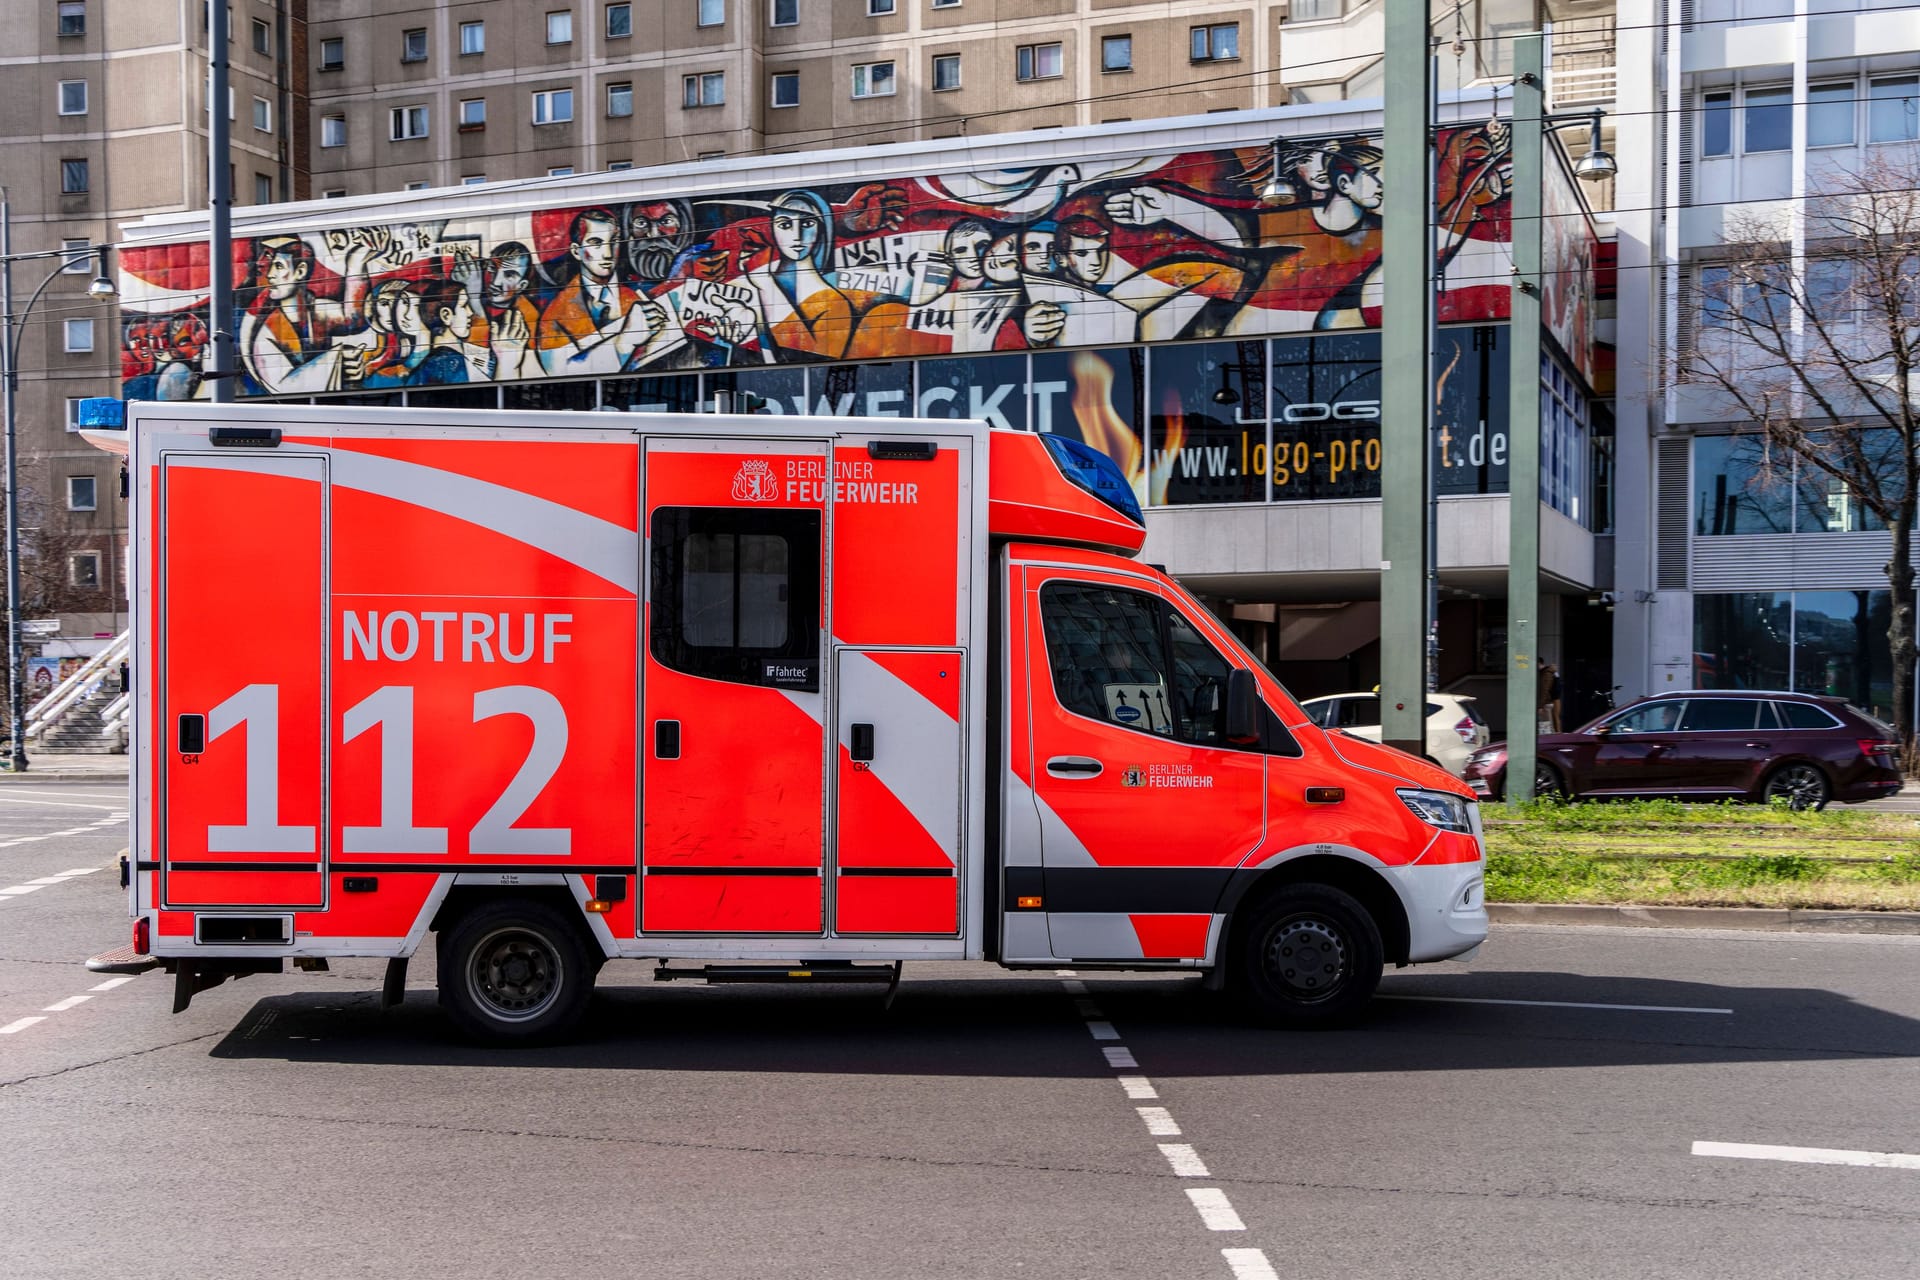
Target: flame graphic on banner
[1100,425]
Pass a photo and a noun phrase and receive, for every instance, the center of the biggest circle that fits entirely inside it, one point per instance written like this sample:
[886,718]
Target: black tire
[514,973]
[1547,782]
[1309,956]
[1802,785]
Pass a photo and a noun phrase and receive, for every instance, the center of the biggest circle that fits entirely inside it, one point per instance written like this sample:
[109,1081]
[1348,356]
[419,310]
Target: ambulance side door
[1146,809]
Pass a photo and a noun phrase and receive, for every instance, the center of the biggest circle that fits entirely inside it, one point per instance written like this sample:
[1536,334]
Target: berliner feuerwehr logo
[755,482]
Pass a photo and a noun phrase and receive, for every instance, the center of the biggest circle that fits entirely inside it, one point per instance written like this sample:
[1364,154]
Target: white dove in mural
[1023,195]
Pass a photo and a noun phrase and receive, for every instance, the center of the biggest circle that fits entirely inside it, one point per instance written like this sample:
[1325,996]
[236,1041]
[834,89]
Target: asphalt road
[1532,1114]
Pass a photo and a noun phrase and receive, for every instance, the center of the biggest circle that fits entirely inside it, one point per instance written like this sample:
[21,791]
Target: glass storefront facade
[1747,484]
[1826,642]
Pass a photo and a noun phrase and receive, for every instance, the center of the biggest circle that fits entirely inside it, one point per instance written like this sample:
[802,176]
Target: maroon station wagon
[1739,744]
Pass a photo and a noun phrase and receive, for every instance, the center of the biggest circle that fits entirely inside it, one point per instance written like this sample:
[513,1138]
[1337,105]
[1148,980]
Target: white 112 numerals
[390,709]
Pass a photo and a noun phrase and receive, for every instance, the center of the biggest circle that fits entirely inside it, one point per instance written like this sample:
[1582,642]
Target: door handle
[666,739]
[192,734]
[862,748]
[1760,746]
[1074,766]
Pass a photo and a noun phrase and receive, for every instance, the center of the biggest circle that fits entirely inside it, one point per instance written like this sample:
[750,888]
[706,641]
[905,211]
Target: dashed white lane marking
[1102,1030]
[1798,1155]
[1087,1008]
[56,804]
[20,1024]
[1159,1121]
[1562,1004]
[111,983]
[1119,1057]
[76,871]
[1185,1160]
[1138,1087]
[61,1006]
[35,886]
[1215,1209]
[1249,1264]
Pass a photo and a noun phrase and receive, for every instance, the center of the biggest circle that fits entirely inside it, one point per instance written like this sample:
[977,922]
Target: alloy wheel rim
[515,975]
[1307,956]
[1800,784]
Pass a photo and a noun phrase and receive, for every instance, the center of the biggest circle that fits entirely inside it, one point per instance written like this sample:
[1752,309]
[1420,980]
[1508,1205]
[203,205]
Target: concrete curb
[1771,919]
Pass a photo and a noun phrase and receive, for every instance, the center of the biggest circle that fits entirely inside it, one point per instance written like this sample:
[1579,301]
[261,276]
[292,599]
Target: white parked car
[1454,729]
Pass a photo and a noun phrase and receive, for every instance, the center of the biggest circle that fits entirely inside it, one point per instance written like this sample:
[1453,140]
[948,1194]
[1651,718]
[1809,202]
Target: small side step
[122,960]
[814,971]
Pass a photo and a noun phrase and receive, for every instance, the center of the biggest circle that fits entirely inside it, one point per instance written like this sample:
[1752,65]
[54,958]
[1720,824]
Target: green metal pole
[1523,420]
[1406,388]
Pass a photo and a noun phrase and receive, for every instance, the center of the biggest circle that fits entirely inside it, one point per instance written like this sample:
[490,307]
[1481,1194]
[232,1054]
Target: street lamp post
[100,290]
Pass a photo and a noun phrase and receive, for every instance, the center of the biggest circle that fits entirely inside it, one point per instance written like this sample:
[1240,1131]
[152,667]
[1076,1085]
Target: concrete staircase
[82,728]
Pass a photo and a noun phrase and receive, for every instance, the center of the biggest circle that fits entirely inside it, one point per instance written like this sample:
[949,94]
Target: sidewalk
[54,767]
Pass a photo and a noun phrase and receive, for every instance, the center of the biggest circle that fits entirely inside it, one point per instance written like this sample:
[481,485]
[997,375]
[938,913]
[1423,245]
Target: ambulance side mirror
[1243,707]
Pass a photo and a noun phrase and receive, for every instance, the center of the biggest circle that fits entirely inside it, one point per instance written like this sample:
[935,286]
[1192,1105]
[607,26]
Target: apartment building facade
[103,121]
[1739,566]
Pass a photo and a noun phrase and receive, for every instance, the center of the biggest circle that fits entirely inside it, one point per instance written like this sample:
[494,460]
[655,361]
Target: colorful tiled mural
[1096,252]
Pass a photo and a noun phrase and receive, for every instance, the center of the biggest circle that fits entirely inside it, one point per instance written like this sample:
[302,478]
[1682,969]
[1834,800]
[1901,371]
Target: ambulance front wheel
[514,973]
[1310,955]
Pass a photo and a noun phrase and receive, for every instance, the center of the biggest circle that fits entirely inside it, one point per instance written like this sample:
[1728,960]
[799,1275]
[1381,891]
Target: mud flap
[394,989]
[191,977]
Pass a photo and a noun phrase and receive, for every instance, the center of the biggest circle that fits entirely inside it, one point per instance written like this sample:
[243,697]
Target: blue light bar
[1095,472]
[103,411]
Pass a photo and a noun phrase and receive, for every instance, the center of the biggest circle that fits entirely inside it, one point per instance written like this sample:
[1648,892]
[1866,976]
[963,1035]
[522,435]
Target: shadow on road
[1028,1027]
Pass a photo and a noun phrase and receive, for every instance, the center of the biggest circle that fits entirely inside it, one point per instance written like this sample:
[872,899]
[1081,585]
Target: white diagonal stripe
[1159,1122]
[1185,1160]
[61,1006]
[1102,1030]
[1808,1155]
[1215,1209]
[1120,1057]
[1249,1264]
[20,1024]
[1138,1087]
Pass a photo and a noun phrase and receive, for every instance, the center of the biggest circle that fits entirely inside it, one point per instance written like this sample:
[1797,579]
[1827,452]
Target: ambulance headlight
[1439,809]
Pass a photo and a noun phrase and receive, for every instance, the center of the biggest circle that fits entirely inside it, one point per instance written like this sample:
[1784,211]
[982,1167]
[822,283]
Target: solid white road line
[1803,1155]
[1159,1122]
[61,1006]
[1185,1160]
[1102,1030]
[1249,1264]
[1562,1004]
[1119,1057]
[111,983]
[1215,1209]
[1138,1087]
[20,1024]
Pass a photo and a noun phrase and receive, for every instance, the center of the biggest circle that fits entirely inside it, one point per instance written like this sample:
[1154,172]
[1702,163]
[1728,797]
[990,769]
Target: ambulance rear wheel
[514,973]
[1309,956]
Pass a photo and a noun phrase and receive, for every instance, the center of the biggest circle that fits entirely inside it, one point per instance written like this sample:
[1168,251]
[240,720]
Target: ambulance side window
[735,595]
[1103,645]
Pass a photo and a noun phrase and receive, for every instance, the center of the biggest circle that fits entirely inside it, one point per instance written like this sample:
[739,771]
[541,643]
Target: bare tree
[1818,352]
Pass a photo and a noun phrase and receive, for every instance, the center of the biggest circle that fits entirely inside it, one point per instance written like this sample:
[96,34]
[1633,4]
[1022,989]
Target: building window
[1893,109]
[73,412]
[80,493]
[873,80]
[418,184]
[560,27]
[786,89]
[473,113]
[1116,53]
[711,155]
[620,100]
[560,171]
[473,179]
[783,13]
[78,265]
[83,569]
[79,335]
[619,21]
[413,45]
[263,115]
[73,97]
[617,165]
[1217,43]
[946,72]
[712,13]
[262,189]
[1314,10]
[946,4]
[73,177]
[1716,125]
[333,131]
[708,89]
[337,193]
[880,8]
[1768,122]
[407,123]
[473,38]
[333,53]
[553,106]
[1830,114]
[1037,62]
[73,18]
[262,37]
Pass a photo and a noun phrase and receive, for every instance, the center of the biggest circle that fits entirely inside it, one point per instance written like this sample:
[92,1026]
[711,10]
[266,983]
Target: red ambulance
[759,699]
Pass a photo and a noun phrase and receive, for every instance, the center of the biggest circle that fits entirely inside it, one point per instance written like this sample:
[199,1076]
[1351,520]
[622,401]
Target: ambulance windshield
[1095,472]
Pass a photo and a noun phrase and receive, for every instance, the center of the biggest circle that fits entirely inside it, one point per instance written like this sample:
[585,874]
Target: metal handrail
[77,686]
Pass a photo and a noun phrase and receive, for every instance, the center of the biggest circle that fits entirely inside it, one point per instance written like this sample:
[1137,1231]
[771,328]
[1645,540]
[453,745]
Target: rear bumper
[1446,908]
